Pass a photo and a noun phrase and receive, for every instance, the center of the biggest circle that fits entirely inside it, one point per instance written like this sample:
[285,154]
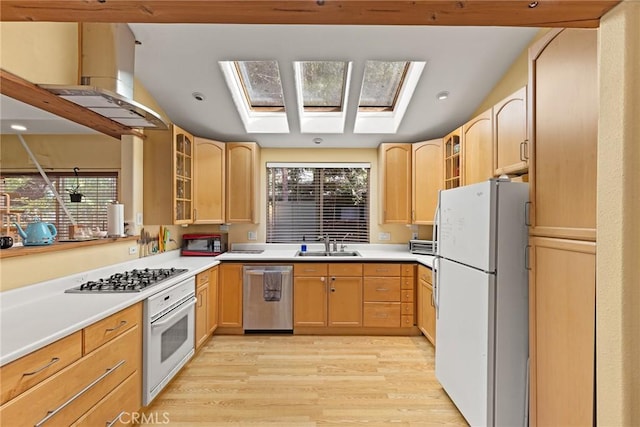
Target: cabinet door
[395,183]
[202,315]
[241,182]
[230,295]
[477,157]
[345,301]
[213,299]
[564,98]
[510,145]
[310,301]
[209,182]
[427,180]
[429,312]
[562,331]
[183,176]
[451,157]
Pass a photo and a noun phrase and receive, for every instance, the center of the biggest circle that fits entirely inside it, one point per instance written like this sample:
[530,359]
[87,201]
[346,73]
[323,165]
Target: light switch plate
[139,218]
[384,236]
[224,227]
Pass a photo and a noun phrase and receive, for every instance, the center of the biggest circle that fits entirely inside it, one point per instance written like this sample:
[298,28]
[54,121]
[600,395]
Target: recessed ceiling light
[198,96]
[317,140]
[18,127]
[442,95]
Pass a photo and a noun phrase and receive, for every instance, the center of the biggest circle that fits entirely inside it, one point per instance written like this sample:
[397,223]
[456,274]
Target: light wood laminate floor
[287,380]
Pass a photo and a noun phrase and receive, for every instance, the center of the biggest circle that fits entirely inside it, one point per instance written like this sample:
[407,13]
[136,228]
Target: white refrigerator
[481,294]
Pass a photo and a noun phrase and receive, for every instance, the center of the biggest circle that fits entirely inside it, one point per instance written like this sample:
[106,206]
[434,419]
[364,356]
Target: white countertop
[34,316]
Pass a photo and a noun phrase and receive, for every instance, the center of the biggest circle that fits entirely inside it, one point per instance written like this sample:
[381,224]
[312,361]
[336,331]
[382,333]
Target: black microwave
[204,244]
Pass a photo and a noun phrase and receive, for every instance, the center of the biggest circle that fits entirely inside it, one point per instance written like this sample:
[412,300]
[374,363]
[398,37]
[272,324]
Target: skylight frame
[318,119]
[247,94]
[254,121]
[327,108]
[381,108]
[387,122]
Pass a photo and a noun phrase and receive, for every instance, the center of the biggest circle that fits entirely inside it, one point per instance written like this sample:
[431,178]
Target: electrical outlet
[133,250]
[414,236]
[384,236]
[252,235]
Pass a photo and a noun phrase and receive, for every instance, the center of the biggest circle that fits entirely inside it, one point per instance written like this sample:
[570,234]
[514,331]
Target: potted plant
[74,193]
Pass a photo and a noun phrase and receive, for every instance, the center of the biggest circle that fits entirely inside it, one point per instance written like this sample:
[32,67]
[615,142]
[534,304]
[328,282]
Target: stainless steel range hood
[107,72]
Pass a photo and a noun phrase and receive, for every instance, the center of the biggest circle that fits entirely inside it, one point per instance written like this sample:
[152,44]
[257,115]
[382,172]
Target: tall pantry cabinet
[563,106]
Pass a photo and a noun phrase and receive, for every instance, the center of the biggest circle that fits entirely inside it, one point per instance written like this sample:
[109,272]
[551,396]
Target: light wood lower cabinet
[426,308]
[230,295]
[213,299]
[389,295]
[64,397]
[327,295]
[202,314]
[562,331]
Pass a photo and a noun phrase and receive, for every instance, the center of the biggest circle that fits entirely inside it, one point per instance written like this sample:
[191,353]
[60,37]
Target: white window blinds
[32,198]
[310,200]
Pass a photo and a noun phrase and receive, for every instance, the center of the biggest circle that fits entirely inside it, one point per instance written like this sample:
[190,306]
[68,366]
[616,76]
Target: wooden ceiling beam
[29,93]
[529,13]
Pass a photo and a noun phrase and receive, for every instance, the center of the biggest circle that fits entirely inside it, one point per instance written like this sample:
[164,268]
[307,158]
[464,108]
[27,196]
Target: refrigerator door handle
[436,293]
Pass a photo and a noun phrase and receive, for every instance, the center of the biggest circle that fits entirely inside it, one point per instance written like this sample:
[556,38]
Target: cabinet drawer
[88,379]
[310,269]
[109,328]
[202,278]
[345,269]
[116,408]
[407,282]
[406,308]
[406,296]
[408,270]
[425,274]
[382,289]
[24,373]
[382,314]
[406,321]
[382,270]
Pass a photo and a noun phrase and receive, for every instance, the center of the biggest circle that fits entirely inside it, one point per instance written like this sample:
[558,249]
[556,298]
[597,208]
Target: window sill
[60,246]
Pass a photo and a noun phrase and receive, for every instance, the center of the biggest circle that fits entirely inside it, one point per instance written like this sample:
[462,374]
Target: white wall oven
[168,336]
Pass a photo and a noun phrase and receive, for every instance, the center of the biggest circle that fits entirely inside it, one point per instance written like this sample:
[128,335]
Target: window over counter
[32,198]
[313,199]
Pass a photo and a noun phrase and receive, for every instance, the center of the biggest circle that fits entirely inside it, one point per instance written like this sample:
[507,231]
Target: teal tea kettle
[37,234]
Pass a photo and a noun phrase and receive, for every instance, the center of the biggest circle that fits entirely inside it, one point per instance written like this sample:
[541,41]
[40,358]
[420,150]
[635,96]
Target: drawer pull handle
[51,414]
[382,289]
[382,315]
[53,360]
[122,323]
[115,420]
[382,270]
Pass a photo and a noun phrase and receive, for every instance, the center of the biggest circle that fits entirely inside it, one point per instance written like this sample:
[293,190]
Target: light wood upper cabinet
[426,180]
[168,176]
[563,92]
[452,159]
[209,182]
[562,287]
[477,136]
[510,144]
[242,182]
[394,161]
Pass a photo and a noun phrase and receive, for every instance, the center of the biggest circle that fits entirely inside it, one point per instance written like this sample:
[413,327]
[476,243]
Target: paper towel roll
[115,220]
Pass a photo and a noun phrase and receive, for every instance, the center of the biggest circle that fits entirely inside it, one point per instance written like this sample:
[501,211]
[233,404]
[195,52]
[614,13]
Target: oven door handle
[176,313]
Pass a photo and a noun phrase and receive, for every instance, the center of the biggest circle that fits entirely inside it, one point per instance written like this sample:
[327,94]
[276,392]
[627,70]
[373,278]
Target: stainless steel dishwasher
[267,302]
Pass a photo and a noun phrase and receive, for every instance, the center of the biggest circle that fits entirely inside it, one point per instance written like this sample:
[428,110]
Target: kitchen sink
[329,254]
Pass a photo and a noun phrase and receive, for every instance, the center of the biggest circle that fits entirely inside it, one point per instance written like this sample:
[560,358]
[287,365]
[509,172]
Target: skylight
[261,83]
[386,91]
[323,84]
[322,89]
[381,84]
[256,90]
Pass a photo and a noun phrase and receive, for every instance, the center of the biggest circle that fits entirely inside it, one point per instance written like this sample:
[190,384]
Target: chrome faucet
[327,242]
[342,245]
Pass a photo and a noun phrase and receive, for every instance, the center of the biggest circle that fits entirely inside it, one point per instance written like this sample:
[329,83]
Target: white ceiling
[175,60]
